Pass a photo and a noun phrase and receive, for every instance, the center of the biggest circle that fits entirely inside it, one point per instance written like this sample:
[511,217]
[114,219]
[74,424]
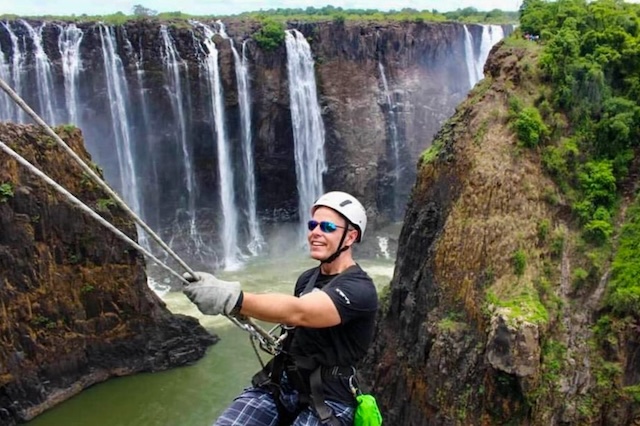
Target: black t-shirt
[345,344]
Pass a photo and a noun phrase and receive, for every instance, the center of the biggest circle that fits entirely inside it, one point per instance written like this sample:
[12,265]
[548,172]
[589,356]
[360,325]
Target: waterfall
[118,99]
[470,57]
[383,246]
[6,105]
[227,191]
[173,63]
[308,129]
[13,112]
[151,189]
[491,34]
[69,44]
[256,240]
[395,144]
[44,79]
[159,287]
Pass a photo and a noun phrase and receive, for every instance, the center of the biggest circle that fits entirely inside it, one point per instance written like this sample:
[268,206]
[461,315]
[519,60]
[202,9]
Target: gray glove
[213,296]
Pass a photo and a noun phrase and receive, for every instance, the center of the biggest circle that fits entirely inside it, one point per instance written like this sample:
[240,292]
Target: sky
[229,7]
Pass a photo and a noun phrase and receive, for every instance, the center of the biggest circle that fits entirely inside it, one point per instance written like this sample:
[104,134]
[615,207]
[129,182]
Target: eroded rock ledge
[75,308]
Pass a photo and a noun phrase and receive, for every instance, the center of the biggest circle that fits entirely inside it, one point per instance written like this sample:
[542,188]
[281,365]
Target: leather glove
[213,296]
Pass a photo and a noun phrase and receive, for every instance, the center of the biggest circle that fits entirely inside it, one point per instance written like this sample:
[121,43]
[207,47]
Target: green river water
[193,395]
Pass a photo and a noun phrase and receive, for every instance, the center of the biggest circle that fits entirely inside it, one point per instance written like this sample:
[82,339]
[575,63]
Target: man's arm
[314,310]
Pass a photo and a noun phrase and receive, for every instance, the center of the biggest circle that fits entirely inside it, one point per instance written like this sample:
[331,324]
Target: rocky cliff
[464,337]
[75,308]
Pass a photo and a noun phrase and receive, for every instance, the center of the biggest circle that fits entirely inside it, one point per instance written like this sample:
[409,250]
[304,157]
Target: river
[192,395]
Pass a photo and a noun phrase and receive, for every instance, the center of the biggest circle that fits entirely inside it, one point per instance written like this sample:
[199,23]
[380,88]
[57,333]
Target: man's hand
[213,296]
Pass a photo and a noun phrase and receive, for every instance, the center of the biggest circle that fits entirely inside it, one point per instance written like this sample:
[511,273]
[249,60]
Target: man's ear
[352,237]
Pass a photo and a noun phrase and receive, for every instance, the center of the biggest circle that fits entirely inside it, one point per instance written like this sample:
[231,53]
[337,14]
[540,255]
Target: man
[330,320]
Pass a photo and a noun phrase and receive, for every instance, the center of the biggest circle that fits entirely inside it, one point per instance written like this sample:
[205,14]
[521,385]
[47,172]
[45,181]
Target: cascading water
[491,34]
[229,236]
[256,240]
[173,64]
[395,144]
[12,111]
[118,100]
[46,94]
[6,106]
[308,128]
[470,57]
[69,44]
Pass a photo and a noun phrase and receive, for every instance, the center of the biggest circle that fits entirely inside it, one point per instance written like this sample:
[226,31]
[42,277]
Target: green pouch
[367,411]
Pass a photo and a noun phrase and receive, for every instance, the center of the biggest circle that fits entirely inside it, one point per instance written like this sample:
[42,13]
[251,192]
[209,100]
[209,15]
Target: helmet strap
[340,249]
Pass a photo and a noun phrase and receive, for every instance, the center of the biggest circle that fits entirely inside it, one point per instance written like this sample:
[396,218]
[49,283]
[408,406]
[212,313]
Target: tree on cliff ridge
[140,10]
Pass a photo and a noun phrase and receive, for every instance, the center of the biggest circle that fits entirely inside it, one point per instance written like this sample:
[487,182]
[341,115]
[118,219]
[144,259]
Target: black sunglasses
[325,226]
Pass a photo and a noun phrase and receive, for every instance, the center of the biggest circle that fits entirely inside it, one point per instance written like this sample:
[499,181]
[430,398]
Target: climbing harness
[303,373]
[267,341]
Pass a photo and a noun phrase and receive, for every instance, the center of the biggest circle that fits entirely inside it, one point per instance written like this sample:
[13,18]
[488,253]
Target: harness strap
[317,398]
[311,393]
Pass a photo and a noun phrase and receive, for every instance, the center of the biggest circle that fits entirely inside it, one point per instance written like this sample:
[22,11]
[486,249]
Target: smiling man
[330,322]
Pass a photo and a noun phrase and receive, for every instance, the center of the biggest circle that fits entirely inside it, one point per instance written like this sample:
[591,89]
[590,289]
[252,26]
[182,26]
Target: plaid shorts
[256,407]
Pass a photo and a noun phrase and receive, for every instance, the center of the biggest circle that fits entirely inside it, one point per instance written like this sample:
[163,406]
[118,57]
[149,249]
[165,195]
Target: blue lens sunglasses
[325,226]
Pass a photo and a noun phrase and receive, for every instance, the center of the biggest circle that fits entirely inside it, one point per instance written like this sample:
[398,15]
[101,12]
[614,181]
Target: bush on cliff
[271,35]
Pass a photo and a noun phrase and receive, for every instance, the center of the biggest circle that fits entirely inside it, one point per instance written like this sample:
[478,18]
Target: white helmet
[348,206]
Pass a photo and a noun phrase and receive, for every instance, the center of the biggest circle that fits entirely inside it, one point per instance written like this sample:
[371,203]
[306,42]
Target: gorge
[214,139]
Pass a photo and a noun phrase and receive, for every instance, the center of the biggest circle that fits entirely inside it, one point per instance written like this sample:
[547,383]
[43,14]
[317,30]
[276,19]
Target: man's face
[324,244]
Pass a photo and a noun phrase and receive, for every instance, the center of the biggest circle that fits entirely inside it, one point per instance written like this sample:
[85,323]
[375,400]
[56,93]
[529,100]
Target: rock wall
[448,349]
[75,307]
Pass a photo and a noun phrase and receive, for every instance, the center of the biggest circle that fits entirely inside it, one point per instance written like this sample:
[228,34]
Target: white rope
[97,179]
[76,202]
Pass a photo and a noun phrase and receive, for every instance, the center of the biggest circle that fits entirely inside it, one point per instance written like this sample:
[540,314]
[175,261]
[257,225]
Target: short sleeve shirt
[345,344]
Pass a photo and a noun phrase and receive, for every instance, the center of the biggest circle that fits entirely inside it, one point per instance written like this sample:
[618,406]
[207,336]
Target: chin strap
[335,255]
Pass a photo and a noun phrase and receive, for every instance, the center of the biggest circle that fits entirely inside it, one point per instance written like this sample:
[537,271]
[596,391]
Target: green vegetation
[103,204]
[42,321]
[140,10]
[467,15]
[453,321]
[530,128]
[308,14]
[432,152]
[624,289]
[543,230]
[87,288]
[579,277]
[519,261]
[588,58]
[6,191]
[633,392]
[384,299]
[271,35]
[524,306]
[553,360]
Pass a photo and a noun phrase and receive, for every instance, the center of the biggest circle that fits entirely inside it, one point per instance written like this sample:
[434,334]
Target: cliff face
[448,349]
[75,307]
[384,91]
[424,65]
